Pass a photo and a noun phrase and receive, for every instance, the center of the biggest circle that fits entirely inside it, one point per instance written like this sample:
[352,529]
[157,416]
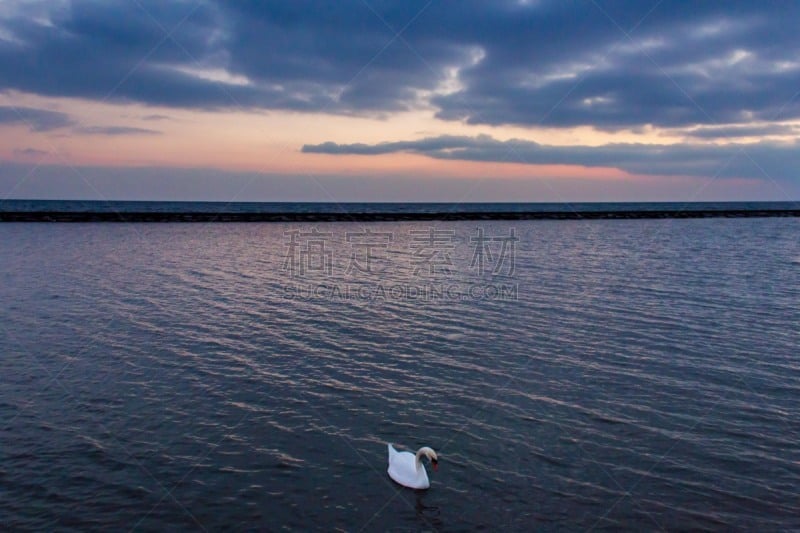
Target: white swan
[406,468]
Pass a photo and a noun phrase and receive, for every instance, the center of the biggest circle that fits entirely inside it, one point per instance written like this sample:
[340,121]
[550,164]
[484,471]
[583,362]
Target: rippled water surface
[614,374]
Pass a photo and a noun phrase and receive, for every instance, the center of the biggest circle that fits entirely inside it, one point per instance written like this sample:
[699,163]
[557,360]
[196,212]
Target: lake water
[591,375]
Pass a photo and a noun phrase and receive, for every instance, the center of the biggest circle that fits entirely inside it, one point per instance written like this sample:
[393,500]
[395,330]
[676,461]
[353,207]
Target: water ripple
[645,376]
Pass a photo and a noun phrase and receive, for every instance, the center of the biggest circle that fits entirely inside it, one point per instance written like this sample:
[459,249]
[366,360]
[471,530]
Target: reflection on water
[642,375]
[427,514]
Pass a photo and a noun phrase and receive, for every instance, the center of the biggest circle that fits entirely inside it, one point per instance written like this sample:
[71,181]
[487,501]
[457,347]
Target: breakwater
[332,216]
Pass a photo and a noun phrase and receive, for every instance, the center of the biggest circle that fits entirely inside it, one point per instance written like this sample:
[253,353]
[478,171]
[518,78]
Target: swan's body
[406,468]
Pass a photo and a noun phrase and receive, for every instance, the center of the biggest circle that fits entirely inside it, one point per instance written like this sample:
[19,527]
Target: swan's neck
[422,451]
[418,458]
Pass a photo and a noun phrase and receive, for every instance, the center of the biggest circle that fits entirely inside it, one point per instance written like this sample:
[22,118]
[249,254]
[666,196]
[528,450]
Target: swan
[406,468]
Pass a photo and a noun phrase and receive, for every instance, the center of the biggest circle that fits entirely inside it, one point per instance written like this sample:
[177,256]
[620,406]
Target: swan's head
[430,454]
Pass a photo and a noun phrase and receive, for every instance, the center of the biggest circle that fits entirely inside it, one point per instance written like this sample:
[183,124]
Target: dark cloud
[299,55]
[111,50]
[30,152]
[612,65]
[156,117]
[115,130]
[684,64]
[44,120]
[34,119]
[742,131]
[778,161]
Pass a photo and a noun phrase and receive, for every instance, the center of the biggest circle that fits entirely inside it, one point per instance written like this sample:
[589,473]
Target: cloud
[39,120]
[34,119]
[115,130]
[30,152]
[742,131]
[611,65]
[679,67]
[303,55]
[764,160]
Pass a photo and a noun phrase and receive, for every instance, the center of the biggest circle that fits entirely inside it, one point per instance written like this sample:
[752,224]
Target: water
[371,207]
[644,375]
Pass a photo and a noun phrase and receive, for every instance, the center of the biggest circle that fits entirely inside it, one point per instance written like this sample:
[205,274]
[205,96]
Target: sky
[397,101]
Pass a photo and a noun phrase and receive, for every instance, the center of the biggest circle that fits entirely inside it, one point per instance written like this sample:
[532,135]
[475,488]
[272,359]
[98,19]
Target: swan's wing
[393,455]
[399,471]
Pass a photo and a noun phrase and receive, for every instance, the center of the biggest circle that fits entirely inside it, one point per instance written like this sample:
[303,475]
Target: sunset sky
[369,100]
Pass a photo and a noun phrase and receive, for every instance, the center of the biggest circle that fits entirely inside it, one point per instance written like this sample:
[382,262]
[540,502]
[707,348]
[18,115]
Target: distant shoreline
[209,216]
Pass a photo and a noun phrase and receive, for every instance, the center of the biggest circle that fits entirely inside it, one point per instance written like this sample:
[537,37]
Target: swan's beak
[435,464]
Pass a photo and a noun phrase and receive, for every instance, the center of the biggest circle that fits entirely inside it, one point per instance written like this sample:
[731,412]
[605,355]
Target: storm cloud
[611,65]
